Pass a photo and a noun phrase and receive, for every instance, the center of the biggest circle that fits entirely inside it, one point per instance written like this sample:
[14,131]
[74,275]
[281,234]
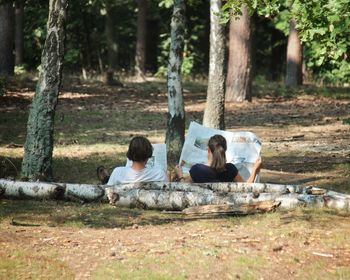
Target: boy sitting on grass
[140,150]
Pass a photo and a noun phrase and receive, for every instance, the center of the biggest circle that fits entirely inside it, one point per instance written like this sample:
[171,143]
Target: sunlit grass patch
[191,260]
[263,87]
[20,264]
[318,269]
[120,271]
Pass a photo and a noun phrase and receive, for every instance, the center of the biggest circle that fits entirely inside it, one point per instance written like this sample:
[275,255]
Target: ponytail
[217,145]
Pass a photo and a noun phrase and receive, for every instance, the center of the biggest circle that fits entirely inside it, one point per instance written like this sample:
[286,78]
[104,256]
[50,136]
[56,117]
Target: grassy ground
[94,123]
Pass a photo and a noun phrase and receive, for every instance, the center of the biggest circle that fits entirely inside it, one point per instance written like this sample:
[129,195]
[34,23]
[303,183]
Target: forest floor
[306,140]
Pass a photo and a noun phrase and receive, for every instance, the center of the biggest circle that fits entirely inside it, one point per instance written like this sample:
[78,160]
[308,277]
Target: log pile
[177,196]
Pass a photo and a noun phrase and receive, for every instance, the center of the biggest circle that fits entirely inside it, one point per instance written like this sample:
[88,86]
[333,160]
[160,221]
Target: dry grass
[61,240]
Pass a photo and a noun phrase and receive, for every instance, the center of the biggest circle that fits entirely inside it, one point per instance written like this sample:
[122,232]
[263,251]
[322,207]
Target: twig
[323,255]
[12,165]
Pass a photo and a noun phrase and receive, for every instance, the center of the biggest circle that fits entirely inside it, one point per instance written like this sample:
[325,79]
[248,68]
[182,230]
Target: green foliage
[166,3]
[20,69]
[71,57]
[34,30]
[325,28]
[195,58]
[263,7]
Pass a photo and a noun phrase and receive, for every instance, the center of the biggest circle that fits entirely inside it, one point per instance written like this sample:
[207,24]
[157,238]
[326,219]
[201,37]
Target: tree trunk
[178,196]
[175,135]
[294,75]
[6,39]
[37,161]
[140,57]
[239,73]
[278,52]
[112,46]
[215,105]
[19,44]
[87,39]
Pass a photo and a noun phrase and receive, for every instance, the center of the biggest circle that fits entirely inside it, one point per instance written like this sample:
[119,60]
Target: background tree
[19,44]
[140,57]
[37,161]
[239,70]
[175,134]
[112,45]
[6,38]
[215,105]
[294,74]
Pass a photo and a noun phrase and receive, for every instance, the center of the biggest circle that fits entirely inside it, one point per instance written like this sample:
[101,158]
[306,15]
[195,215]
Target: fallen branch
[213,210]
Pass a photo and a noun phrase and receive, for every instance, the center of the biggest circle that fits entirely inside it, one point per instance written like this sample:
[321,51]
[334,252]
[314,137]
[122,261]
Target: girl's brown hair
[217,145]
[140,149]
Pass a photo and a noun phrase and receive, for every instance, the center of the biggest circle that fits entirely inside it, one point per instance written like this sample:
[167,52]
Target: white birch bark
[175,135]
[31,190]
[177,196]
[215,105]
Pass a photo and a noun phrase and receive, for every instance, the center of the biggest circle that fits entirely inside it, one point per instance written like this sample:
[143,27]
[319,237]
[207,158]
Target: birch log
[177,196]
[42,190]
[217,187]
[31,190]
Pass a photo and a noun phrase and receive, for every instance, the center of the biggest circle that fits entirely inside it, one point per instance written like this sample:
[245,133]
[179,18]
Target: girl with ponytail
[217,169]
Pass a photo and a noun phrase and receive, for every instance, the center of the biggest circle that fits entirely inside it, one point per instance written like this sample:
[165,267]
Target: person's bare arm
[252,176]
[179,177]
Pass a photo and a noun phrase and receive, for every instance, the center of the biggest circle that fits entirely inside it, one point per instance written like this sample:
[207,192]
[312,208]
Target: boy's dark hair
[140,149]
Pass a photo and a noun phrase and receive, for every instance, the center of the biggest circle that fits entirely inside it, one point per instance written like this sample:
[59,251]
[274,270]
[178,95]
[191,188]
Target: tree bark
[278,54]
[112,46]
[239,73]
[37,161]
[87,39]
[175,135]
[140,57]
[6,39]
[294,75]
[215,106]
[19,43]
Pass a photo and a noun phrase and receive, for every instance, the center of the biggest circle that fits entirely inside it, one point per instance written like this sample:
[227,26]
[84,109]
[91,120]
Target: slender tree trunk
[215,106]
[6,39]
[278,52]
[37,161]
[19,44]
[239,73]
[294,75]
[112,46]
[87,39]
[140,57]
[175,135]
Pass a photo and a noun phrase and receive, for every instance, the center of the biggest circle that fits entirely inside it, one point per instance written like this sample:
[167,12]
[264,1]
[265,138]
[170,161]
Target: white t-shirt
[126,174]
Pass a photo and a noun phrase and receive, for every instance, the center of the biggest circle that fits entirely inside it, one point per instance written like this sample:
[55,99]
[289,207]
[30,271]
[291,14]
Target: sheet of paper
[243,148]
[159,157]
